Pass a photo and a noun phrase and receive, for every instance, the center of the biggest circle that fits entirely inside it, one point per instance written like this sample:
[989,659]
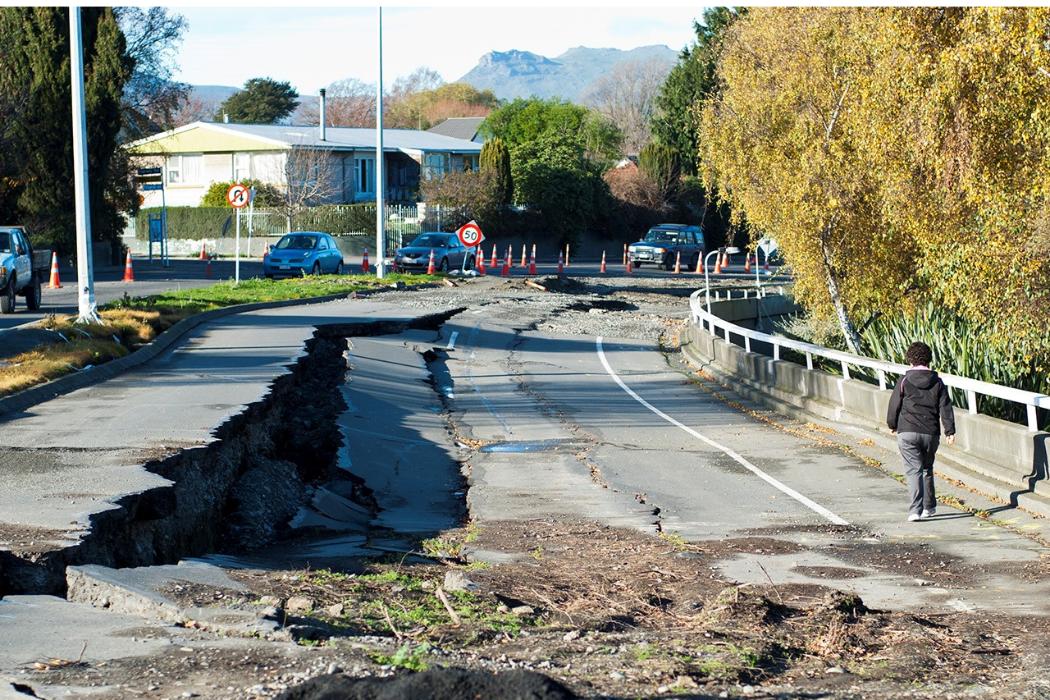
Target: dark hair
[919,354]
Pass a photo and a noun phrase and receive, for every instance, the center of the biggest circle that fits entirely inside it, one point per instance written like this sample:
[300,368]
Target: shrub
[265,195]
[465,196]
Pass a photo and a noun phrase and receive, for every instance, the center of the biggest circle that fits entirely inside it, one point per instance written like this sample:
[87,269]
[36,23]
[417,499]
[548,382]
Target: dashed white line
[452,341]
[735,456]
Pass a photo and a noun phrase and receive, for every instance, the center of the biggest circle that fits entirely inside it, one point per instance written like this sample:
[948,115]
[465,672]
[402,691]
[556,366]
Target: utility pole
[88,312]
[380,209]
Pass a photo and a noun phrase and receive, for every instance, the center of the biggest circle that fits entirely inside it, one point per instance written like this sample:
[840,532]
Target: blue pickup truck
[21,269]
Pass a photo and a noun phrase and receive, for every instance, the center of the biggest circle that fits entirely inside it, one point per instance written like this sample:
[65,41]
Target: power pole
[88,312]
[380,209]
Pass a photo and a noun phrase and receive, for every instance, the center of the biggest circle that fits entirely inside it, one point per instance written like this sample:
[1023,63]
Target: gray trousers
[918,450]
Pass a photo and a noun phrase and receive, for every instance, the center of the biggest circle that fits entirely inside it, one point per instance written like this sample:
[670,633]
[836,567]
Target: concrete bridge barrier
[1002,459]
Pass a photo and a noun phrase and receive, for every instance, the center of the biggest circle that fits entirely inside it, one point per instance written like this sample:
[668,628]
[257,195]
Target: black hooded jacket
[918,400]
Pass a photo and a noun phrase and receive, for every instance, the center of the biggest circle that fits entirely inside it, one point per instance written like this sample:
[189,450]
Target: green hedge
[195,223]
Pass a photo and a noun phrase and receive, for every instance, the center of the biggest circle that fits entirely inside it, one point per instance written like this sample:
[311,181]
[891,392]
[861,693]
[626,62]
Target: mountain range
[511,74]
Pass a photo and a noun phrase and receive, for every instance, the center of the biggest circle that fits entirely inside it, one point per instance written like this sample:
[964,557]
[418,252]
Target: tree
[626,96]
[495,159]
[660,164]
[526,120]
[465,196]
[692,80]
[422,108]
[152,99]
[40,132]
[307,179]
[262,101]
[349,102]
[781,140]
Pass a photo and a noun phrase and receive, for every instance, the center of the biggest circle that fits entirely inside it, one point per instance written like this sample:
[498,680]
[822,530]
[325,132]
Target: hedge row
[195,223]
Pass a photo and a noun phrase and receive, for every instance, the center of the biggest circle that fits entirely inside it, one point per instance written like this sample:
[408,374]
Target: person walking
[919,405]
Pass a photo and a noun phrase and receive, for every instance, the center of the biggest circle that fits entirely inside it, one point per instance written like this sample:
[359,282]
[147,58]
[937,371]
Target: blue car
[303,253]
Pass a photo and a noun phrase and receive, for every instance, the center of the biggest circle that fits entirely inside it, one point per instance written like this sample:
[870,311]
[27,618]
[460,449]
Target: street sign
[147,172]
[470,234]
[156,229]
[238,196]
[153,186]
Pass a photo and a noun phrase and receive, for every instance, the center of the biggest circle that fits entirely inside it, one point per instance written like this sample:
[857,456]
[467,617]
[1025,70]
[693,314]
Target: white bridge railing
[971,387]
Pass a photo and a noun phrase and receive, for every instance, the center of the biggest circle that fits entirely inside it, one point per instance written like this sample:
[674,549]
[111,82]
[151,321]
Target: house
[465,128]
[198,154]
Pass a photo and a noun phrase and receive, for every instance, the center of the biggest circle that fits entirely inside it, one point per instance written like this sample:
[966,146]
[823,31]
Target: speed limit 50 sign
[470,234]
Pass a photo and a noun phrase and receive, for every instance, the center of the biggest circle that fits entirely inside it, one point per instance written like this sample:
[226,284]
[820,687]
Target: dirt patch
[832,572]
[189,594]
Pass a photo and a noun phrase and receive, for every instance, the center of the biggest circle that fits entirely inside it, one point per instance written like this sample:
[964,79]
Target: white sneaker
[912,517]
[929,513]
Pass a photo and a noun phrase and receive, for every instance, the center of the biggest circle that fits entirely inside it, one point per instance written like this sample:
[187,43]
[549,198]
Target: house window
[435,165]
[242,167]
[365,175]
[185,170]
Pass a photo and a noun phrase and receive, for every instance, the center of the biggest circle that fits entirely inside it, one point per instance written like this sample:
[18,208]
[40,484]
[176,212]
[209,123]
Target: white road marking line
[452,341]
[736,457]
[472,339]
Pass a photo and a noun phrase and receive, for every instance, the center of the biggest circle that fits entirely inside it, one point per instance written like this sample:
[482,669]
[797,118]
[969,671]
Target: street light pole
[87,311]
[380,209]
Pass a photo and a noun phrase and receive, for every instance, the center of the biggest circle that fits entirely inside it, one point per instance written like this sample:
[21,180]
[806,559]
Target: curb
[87,377]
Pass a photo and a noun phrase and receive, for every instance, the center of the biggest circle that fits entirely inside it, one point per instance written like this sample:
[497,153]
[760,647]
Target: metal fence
[972,388]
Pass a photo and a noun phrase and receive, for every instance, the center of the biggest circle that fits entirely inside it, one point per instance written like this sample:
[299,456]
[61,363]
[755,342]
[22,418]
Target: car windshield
[294,242]
[431,240]
[5,241]
[659,236]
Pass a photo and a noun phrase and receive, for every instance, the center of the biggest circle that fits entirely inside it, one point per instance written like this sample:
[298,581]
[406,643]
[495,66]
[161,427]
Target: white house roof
[345,138]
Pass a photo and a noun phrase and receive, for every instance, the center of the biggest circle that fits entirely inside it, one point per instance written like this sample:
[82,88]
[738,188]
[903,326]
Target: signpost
[238,196]
[152,180]
[470,236]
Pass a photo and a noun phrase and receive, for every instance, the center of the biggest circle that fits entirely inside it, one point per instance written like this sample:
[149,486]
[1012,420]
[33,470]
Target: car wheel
[339,268]
[444,265]
[636,263]
[268,275]
[316,269]
[469,264]
[668,263]
[7,301]
[33,295]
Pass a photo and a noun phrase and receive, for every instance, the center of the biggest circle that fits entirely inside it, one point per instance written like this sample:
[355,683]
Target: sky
[313,47]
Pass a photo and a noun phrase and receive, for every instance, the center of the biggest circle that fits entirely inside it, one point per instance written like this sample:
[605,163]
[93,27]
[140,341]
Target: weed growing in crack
[676,541]
[441,548]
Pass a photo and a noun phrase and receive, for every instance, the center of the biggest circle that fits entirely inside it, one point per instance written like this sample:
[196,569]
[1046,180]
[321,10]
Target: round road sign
[470,234]
[238,196]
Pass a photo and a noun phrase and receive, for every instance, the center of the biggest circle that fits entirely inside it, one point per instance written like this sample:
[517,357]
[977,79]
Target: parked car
[662,244]
[303,253]
[449,253]
[21,269]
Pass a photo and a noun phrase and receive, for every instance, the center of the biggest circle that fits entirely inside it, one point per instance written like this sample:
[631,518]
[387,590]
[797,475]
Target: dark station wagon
[662,244]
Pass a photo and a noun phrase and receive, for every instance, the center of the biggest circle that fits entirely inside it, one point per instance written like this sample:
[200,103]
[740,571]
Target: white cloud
[311,47]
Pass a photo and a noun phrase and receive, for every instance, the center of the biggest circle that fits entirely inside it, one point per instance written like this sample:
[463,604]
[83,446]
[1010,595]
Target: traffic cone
[207,268]
[678,263]
[55,282]
[566,255]
[700,263]
[602,269]
[494,262]
[718,264]
[625,255]
[725,263]
[630,267]
[266,251]
[129,273]
[430,265]
[747,262]
[204,252]
[364,262]
[561,263]
[505,272]
[523,255]
[532,261]
[481,262]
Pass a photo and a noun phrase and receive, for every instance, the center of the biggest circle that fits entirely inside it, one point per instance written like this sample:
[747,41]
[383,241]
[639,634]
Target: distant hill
[511,74]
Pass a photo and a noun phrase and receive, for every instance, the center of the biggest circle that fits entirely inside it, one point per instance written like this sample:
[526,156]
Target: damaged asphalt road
[469,477]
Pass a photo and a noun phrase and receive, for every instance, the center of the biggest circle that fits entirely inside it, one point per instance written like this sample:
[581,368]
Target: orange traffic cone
[602,269]
[718,264]
[561,263]
[204,252]
[55,282]
[430,265]
[129,273]
[747,262]
[566,255]
[523,255]
[481,262]
[630,267]
[678,263]
[625,255]
[725,263]
[700,263]
[505,272]
[364,262]
[532,261]
[494,262]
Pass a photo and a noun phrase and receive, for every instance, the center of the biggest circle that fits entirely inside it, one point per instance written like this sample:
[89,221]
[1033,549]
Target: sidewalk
[65,462]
